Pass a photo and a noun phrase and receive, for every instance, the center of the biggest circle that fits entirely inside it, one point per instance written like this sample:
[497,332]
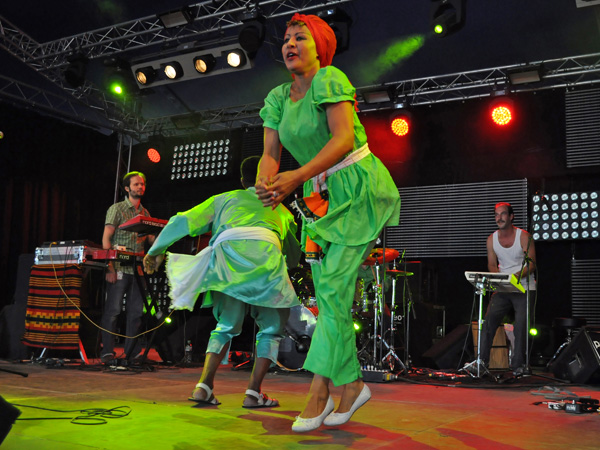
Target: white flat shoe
[335,419]
[301,425]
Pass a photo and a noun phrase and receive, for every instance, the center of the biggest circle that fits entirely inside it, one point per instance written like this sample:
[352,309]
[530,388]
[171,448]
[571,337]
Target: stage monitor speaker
[453,350]
[579,362]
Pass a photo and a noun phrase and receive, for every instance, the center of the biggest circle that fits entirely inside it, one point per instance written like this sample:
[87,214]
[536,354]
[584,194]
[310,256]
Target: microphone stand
[526,261]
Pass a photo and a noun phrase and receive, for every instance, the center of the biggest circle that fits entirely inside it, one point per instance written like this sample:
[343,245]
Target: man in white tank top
[506,249]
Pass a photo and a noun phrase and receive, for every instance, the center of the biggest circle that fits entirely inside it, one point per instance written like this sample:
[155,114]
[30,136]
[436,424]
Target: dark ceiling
[389,41]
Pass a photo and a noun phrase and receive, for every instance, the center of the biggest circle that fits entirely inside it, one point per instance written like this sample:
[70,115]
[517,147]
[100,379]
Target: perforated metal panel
[582,116]
[453,220]
[585,290]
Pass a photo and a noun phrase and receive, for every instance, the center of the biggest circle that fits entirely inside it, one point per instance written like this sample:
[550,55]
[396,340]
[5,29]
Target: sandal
[263,400]
[211,399]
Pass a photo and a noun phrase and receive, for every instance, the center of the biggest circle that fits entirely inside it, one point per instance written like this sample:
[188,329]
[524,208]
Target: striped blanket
[52,318]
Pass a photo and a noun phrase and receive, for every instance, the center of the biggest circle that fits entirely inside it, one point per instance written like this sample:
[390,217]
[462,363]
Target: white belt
[252,233]
[319,182]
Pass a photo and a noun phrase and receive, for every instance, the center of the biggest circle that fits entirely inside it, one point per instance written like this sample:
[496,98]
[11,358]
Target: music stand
[493,281]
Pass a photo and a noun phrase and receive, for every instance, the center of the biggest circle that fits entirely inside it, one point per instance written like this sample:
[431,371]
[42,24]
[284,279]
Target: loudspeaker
[170,340]
[453,350]
[579,362]
[12,319]
[8,415]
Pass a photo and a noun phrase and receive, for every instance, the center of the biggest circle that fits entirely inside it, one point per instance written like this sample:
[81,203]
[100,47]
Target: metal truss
[208,17]
[554,73]
[50,58]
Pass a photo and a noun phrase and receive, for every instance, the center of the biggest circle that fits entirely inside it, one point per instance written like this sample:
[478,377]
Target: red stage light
[400,126]
[153,155]
[502,114]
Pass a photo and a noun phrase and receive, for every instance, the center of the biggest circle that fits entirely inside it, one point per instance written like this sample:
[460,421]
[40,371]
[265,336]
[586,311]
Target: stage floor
[422,410]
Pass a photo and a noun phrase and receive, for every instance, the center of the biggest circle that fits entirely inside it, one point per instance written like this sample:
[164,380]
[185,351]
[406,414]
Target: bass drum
[298,334]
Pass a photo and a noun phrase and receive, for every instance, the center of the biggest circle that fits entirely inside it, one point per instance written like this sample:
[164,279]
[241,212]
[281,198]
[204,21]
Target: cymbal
[377,256]
[399,273]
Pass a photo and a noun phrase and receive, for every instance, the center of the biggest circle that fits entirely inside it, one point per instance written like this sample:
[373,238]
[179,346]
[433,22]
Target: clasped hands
[152,263]
[272,190]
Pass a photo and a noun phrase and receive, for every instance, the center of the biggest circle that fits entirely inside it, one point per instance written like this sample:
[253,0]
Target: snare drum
[294,346]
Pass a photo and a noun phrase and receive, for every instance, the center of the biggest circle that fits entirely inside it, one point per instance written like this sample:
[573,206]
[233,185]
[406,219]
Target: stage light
[252,33]
[145,75]
[566,216]
[447,16]
[201,159]
[533,331]
[117,77]
[176,18]
[400,125]
[236,58]
[205,63]
[525,75]
[340,23]
[502,111]
[153,155]
[173,70]
[76,70]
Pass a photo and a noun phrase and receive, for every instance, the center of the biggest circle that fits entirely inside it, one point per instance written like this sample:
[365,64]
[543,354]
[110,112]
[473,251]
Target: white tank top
[511,258]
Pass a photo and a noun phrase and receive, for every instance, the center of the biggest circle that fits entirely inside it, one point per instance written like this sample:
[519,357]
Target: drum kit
[377,316]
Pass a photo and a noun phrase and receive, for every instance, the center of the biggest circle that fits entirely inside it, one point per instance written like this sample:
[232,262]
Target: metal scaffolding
[89,106]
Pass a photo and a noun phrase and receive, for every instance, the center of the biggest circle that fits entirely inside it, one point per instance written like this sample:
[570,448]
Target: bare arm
[268,166]
[491,255]
[341,125]
[109,231]
[528,268]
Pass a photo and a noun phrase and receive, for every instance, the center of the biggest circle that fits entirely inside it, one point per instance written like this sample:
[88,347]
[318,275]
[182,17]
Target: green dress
[362,200]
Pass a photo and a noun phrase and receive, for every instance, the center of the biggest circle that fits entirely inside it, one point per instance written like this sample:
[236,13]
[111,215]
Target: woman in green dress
[314,118]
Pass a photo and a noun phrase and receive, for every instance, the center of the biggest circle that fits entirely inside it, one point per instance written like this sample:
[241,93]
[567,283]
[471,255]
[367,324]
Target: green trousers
[332,352]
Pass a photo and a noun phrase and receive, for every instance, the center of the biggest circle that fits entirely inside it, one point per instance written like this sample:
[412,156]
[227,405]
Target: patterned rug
[52,317]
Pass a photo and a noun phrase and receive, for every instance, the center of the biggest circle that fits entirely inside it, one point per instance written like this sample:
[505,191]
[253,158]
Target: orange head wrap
[322,34]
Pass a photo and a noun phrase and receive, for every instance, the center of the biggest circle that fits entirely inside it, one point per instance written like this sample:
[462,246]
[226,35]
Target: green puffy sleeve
[331,85]
[193,222]
[272,111]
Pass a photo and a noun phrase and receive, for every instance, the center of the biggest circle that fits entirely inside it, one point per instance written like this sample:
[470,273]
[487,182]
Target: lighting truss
[558,73]
[50,58]
[566,216]
[207,17]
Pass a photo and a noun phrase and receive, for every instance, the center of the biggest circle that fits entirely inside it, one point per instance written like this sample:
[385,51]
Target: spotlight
[177,18]
[236,58]
[75,72]
[400,123]
[252,33]
[145,75]
[525,75]
[117,76]
[447,16]
[340,23]
[153,155]
[173,70]
[205,63]
[502,111]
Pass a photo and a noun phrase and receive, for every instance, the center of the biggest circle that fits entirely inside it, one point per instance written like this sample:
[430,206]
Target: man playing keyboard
[506,249]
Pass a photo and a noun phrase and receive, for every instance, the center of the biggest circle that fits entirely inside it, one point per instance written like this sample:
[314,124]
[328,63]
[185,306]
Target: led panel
[566,216]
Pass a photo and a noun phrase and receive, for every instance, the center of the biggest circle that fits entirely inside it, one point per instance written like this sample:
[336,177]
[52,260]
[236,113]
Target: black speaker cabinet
[453,350]
[579,362]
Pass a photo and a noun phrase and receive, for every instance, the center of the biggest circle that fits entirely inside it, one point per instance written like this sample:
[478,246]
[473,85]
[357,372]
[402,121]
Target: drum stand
[481,283]
[379,311]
